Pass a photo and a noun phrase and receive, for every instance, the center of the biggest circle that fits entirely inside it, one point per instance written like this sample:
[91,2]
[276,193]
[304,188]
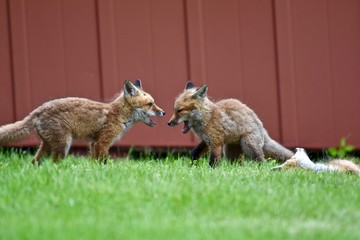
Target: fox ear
[130,89]
[137,83]
[201,92]
[189,85]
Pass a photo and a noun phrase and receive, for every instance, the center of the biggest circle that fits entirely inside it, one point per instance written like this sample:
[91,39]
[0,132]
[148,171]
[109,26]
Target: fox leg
[55,140]
[198,151]
[251,145]
[91,148]
[232,151]
[215,155]
[100,151]
[60,148]
[43,150]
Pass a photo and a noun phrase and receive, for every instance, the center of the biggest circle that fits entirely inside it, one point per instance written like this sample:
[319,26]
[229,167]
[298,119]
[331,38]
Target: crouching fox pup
[59,121]
[227,126]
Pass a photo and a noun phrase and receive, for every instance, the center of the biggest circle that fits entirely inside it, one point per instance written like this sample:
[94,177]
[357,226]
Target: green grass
[170,199]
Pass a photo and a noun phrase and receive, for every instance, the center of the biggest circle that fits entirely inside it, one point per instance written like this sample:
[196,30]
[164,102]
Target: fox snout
[159,112]
[173,121]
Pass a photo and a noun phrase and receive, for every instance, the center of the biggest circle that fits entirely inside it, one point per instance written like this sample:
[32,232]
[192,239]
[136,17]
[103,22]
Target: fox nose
[160,113]
[171,123]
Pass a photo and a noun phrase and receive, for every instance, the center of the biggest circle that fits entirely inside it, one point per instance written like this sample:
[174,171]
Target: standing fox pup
[60,121]
[301,160]
[227,126]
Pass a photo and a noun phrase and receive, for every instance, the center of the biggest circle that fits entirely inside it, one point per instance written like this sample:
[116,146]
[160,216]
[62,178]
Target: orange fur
[60,121]
[301,160]
[227,126]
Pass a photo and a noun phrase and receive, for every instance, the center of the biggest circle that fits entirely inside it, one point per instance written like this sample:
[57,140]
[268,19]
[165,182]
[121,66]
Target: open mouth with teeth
[186,127]
[149,122]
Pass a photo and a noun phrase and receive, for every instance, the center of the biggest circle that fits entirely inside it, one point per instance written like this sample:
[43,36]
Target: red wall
[296,63]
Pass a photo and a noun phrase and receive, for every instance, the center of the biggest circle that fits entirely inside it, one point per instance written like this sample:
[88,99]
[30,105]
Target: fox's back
[234,108]
[237,119]
[83,117]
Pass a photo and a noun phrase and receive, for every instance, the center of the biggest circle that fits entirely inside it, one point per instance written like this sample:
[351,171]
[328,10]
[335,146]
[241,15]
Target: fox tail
[345,166]
[15,132]
[275,150]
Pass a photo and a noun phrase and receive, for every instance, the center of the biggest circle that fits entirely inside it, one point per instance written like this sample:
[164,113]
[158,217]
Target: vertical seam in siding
[11,55]
[293,72]
[330,71]
[151,43]
[277,75]
[100,63]
[27,57]
[113,18]
[202,40]
[63,45]
[187,39]
[240,50]
[285,43]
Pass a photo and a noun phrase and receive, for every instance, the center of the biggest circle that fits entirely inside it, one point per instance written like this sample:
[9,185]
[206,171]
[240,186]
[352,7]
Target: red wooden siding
[296,63]
[318,46]
[6,84]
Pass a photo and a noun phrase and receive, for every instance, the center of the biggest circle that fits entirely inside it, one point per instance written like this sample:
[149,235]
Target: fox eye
[149,104]
[179,110]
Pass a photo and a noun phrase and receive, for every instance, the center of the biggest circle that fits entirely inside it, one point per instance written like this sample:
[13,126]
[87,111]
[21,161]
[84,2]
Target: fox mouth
[186,127]
[149,122]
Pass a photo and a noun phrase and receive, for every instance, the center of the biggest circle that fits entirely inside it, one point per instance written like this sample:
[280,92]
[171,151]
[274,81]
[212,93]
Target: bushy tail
[275,150]
[345,166]
[15,132]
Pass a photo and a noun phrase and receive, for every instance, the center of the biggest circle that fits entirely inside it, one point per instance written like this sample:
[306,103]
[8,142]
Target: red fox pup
[227,126]
[301,160]
[60,121]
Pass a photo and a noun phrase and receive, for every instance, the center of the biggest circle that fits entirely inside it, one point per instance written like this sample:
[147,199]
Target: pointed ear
[201,92]
[189,85]
[130,89]
[137,83]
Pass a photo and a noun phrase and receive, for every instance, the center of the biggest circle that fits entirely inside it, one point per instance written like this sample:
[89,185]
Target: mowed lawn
[172,199]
